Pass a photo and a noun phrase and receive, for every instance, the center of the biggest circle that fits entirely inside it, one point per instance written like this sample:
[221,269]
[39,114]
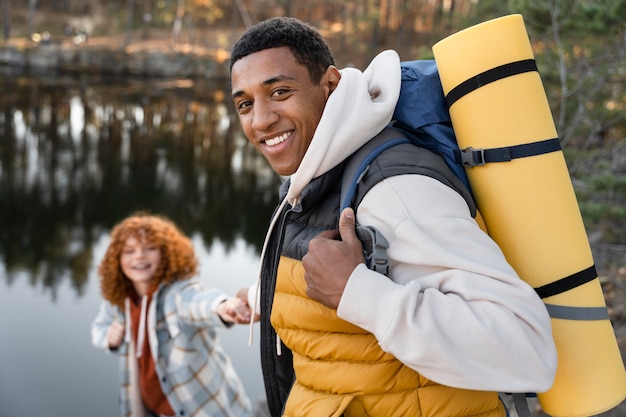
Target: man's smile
[278,139]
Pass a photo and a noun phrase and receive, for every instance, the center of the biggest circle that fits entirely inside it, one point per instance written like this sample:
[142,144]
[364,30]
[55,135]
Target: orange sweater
[151,393]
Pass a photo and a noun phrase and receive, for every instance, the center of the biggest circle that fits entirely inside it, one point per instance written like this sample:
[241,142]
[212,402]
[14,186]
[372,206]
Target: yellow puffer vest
[341,370]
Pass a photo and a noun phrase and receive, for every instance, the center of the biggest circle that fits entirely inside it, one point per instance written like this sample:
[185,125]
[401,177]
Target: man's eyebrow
[265,83]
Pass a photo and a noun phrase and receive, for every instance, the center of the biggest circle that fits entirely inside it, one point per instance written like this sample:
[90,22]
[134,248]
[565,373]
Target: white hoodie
[454,309]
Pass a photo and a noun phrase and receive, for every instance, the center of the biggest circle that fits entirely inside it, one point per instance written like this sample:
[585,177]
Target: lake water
[76,156]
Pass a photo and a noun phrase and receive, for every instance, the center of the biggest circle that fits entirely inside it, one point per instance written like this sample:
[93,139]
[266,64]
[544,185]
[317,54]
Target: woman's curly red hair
[178,258]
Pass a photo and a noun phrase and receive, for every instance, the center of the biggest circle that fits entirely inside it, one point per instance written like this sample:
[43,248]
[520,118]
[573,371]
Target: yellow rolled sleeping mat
[524,193]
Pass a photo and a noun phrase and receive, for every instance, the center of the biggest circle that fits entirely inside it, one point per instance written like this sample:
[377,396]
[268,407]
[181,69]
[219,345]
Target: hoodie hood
[359,108]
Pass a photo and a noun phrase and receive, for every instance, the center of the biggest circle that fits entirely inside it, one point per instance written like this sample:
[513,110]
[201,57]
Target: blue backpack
[421,117]
[422,113]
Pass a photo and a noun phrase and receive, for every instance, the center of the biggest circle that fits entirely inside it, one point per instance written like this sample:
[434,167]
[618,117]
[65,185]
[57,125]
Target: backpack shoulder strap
[416,160]
[411,159]
[359,162]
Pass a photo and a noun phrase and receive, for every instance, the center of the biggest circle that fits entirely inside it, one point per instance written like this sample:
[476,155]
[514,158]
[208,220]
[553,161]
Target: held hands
[242,294]
[115,335]
[332,257]
[234,310]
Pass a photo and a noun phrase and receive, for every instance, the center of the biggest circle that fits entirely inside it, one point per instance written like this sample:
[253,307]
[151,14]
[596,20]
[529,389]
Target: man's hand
[332,257]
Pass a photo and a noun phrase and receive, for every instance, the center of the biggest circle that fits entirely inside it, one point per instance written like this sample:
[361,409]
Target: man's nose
[264,115]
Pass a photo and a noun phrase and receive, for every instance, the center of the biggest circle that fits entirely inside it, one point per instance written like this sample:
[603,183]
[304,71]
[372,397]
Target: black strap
[521,405]
[471,157]
[489,76]
[567,283]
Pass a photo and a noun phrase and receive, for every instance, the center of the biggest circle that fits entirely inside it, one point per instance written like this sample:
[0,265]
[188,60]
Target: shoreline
[157,59]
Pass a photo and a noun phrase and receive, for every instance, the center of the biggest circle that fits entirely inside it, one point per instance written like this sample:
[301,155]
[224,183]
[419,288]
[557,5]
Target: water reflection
[77,154]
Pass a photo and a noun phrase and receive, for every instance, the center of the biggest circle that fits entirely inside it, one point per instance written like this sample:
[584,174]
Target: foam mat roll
[522,187]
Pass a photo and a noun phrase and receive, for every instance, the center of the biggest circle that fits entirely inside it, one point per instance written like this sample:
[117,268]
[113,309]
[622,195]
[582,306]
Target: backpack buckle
[471,157]
[374,249]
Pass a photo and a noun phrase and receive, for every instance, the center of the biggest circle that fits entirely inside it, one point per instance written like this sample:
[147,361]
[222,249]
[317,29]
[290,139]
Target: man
[452,324]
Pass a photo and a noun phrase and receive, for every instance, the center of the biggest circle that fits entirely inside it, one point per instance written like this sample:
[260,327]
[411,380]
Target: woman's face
[140,261]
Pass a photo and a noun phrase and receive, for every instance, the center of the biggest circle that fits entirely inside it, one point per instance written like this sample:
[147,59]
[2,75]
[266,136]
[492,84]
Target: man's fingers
[346,228]
[347,225]
[329,234]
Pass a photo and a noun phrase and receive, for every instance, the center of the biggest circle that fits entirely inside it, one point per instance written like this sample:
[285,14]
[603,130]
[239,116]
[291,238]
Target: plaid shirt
[195,373]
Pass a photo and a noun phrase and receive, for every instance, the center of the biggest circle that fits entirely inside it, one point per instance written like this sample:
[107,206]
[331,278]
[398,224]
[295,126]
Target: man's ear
[330,79]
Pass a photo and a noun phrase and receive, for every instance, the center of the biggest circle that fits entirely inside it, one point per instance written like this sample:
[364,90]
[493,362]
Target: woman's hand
[242,294]
[115,335]
[234,310]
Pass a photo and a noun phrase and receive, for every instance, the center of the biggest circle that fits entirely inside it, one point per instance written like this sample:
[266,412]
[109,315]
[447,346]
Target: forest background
[579,46]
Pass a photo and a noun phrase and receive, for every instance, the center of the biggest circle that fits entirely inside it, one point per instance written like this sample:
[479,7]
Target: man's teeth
[277,139]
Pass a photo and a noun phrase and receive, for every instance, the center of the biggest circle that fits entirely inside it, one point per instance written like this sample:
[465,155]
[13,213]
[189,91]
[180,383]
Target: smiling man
[449,327]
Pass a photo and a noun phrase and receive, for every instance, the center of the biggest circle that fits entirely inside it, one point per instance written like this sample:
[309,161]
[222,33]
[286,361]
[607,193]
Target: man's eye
[244,105]
[279,92]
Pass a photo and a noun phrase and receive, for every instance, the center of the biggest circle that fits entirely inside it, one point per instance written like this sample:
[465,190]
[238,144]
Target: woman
[163,325]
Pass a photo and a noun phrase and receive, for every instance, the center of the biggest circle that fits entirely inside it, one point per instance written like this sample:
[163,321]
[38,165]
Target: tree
[178,21]
[129,21]
[582,45]
[6,19]
[32,5]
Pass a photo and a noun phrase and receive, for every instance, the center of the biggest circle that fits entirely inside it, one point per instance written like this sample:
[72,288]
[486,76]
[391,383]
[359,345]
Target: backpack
[421,119]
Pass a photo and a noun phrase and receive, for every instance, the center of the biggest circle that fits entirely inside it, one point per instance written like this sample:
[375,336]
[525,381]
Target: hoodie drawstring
[142,326]
[127,320]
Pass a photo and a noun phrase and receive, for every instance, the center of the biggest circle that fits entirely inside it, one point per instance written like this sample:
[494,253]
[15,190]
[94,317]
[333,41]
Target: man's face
[279,106]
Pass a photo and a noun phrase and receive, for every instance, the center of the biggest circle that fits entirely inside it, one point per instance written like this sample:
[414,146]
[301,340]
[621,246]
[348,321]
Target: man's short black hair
[305,42]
